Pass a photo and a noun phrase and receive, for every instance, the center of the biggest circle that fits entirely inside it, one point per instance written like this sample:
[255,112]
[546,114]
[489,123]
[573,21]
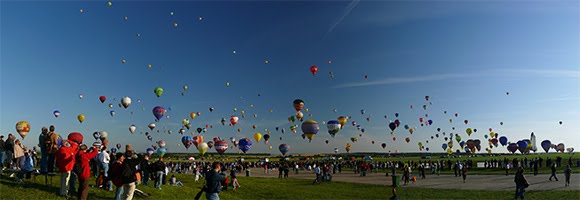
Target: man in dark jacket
[553,168]
[159,168]
[521,183]
[128,174]
[9,146]
[213,180]
[145,170]
[2,152]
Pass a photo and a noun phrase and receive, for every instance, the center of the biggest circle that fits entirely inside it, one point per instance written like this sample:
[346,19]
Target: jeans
[65,182]
[105,167]
[2,157]
[72,182]
[43,162]
[51,160]
[128,190]
[145,178]
[520,190]
[212,196]
[159,178]
[119,193]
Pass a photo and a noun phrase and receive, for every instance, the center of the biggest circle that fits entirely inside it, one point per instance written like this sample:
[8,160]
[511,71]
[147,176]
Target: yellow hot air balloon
[449,151]
[192,115]
[492,134]
[270,147]
[81,118]
[23,127]
[257,137]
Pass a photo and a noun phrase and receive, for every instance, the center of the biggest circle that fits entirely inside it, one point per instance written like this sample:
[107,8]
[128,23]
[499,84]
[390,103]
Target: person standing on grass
[9,149]
[213,180]
[115,174]
[553,168]
[521,183]
[318,174]
[145,169]
[159,167]
[567,174]
[65,160]
[51,143]
[18,153]
[536,167]
[42,139]
[129,174]
[464,172]
[82,158]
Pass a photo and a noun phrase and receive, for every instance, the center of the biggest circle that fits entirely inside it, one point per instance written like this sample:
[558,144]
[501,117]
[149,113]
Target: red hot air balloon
[103,99]
[314,69]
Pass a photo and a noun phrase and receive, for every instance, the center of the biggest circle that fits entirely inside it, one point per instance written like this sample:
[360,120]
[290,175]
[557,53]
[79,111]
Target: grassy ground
[272,188]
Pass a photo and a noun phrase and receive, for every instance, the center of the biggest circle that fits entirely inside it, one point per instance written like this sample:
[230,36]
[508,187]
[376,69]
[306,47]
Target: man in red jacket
[65,159]
[83,157]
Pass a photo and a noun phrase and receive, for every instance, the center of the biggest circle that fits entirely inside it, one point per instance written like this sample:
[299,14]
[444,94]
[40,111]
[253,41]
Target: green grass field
[272,188]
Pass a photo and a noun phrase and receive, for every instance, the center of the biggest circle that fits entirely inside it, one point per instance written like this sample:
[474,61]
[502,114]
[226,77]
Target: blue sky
[464,55]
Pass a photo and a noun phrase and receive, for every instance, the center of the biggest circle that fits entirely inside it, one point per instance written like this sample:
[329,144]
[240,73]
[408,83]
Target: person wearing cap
[83,156]
[65,159]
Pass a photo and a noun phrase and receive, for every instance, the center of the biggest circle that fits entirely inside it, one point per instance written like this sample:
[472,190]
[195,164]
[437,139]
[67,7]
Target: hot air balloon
[298,104]
[151,126]
[221,147]
[522,146]
[257,137]
[266,138]
[102,99]
[333,127]
[546,145]
[384,145]
[342,120]
[284,148]
[245,144]
[407,139]
[23,127]
[313,69]
[444,146]
[81,118]
[132,128]
[126,102]
[392,126]
[310,129]
[158,91]
[233,120]
[503,140]
[202,148]
[56,113]
[560,147]
[468,131]
[197,139]
[210,144]
[161,152]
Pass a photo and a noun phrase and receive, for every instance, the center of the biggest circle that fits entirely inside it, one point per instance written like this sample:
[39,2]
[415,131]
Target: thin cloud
[495,72]
[390,81]
[347,11]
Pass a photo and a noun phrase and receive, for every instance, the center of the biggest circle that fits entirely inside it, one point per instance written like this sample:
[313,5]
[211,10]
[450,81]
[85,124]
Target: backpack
[127,173]
[48,142]
[78,169]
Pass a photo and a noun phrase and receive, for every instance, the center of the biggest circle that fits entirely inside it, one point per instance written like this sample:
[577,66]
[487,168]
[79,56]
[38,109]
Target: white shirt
[103,157]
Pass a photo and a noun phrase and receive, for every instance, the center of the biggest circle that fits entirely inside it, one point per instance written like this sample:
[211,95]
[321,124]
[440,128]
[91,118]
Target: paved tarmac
[473,182]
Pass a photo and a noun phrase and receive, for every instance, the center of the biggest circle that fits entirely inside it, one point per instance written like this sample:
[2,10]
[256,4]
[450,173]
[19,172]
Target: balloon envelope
[310,128]
[23,127]
[546,144]
[284,148]
[245,144]
[221,147]
[158,112]
[333,127]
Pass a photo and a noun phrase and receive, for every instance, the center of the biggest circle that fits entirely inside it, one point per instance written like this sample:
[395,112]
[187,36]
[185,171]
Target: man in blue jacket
[213,180]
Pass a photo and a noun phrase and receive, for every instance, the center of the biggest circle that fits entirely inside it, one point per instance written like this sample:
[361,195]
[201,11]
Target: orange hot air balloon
[23,127]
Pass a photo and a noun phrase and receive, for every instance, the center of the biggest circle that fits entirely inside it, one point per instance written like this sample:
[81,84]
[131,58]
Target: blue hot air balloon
[522,146]
[503,140]
[150,150]
[284,148]
[161,151]
[245,144]
[158,112]
[444,146]
[187,141]
[546,144]
[512,147]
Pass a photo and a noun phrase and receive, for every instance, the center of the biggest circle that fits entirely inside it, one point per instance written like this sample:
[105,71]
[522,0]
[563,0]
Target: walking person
[129,173]
[213,180]
[553,168]
[521,183]
[567,174]
[464,172]
[235,183]
[318,175]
